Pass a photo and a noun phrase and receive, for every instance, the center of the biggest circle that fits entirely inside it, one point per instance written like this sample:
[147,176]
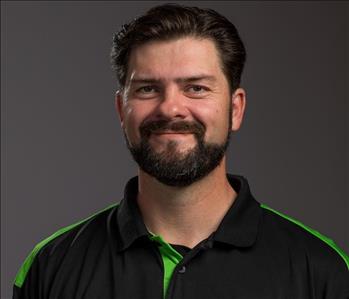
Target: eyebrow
[178,80]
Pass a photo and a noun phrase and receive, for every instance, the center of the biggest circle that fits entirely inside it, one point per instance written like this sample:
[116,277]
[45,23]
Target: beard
[171,166]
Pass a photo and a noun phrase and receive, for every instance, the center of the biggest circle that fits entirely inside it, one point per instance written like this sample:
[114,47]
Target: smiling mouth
[171,133]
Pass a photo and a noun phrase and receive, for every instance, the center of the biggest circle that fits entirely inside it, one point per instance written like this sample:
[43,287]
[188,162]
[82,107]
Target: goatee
[172,167]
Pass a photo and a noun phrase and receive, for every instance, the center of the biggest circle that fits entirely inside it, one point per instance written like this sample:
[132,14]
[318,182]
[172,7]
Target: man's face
[176,110]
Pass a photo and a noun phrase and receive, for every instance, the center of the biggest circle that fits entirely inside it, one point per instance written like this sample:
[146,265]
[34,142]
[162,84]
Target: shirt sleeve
[29,282]
[337,285]
[28,286]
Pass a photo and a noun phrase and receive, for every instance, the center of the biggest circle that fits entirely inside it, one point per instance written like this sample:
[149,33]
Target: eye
[146,89]
[197,88]
[146,92]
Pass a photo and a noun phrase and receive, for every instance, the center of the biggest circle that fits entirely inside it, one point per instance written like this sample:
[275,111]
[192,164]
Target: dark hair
[173,21]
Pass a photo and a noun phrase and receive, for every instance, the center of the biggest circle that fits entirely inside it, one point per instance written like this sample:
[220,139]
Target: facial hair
[172,167]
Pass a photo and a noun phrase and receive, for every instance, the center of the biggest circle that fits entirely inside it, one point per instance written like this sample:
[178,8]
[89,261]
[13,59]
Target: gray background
[63,153]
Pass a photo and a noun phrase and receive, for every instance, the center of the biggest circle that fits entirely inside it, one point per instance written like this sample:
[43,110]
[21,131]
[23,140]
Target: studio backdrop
[62,149]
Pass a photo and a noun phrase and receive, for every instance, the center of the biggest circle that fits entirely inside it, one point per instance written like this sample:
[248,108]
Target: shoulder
[53,248]
[305,253]
[293,231]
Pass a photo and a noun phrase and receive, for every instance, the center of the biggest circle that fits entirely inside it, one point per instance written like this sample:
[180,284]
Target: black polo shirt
[256,252]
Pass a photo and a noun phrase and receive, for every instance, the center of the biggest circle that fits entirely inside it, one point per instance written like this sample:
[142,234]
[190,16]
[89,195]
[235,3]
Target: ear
[118,104]
[238,104]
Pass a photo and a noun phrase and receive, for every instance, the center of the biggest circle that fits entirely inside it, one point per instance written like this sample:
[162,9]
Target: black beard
[174,168]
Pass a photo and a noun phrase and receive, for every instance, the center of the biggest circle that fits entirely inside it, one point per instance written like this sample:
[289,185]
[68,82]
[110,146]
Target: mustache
[147,128]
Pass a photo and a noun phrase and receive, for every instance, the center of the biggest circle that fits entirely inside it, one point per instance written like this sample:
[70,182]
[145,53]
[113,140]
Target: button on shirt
[256,253]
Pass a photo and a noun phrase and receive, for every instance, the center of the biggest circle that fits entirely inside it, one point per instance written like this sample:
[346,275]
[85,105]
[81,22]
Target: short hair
[173,21]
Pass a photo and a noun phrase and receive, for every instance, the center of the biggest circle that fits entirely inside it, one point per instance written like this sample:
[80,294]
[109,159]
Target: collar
[239,226]
[129,217]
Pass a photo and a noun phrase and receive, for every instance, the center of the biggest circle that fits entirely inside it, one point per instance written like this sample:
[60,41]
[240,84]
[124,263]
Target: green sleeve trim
[327,240]
[170,257]
[23,270]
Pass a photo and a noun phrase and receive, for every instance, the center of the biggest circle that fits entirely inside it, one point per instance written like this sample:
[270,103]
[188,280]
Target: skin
[181,215]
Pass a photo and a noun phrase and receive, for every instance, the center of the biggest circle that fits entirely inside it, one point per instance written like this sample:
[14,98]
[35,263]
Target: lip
[171,133]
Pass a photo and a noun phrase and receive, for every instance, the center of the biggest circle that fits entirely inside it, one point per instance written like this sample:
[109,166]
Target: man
[185,228]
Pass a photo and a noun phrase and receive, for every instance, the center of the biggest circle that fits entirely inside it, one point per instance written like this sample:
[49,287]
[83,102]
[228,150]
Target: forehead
[167,60]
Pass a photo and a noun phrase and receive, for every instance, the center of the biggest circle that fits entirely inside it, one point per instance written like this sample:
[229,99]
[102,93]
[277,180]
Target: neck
[185,215]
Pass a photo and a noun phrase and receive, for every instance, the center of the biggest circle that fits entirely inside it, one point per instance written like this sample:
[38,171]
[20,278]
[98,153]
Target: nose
[172,104]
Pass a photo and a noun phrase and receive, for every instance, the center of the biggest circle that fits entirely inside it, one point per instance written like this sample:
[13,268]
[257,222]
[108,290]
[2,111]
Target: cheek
[215,119]
[130,122]
[204,112]
[134,115]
